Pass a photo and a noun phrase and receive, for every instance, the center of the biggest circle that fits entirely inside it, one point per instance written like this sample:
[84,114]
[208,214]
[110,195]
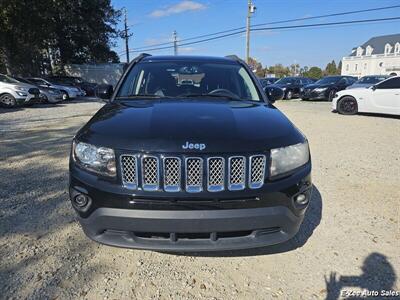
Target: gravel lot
[349,241]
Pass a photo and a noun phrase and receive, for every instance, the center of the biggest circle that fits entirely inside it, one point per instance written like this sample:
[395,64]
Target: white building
[380,55]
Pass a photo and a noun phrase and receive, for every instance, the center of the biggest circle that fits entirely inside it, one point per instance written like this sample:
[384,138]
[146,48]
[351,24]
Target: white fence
[99,73]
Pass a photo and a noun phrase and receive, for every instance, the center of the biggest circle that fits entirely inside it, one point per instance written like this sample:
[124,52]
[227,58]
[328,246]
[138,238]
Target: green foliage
[313,72]
[279,70]
[36,36]
[331,69]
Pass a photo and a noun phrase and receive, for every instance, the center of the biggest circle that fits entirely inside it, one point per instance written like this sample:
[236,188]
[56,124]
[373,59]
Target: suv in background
[292,86]
[326,88]
[14,93]
[88,87]
[189,155]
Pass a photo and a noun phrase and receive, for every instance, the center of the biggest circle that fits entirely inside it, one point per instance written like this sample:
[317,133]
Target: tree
[279,70]
[34,34]
[256,67]
[314,72]
[331,68]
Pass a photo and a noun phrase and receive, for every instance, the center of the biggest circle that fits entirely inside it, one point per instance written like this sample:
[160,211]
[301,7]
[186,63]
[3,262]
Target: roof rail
[233,57]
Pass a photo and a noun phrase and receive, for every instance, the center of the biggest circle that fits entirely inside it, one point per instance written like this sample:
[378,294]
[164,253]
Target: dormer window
[360,51]
[388,49]
[369,50]
[397,48]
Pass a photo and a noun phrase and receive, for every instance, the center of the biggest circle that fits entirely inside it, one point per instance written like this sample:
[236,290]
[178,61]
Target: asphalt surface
[348,242]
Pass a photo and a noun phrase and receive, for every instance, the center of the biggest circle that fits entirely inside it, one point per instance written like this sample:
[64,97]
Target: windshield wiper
[141,96]
[209,95]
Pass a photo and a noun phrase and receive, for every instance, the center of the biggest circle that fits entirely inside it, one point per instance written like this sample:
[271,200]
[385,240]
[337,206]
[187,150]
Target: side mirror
[104,91]
[373,87]
[273,93]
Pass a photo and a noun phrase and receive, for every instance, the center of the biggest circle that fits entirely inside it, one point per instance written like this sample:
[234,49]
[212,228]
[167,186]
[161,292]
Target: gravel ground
[349,241]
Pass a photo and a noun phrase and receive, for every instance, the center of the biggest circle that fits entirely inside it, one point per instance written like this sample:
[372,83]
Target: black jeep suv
[189,154]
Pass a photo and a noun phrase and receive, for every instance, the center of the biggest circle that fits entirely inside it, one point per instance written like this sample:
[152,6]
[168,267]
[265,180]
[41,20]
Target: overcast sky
[153,22]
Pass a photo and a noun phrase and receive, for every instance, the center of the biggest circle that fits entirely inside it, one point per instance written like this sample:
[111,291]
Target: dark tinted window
[393,83]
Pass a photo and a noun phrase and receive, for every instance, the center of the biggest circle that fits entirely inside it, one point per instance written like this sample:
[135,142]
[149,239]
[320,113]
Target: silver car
[68,92]
[47,94]
[14,93]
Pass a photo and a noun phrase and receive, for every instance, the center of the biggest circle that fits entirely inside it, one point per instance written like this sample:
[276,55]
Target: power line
[149,48]
[273,28]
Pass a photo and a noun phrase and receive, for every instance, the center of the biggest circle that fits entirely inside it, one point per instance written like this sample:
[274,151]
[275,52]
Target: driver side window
[392,83]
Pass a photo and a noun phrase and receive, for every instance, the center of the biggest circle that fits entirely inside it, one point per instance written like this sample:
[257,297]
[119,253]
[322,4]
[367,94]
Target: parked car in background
[292,86]
[14,93]
[47,94]
[88,87]
[268,80]
[367,81]
[68,92]
[326,88]
[382,98]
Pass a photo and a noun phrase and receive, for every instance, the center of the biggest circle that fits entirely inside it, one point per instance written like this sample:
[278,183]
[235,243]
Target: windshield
[328,80]
[6,79]
[180,79]
[371,79]
[286,80]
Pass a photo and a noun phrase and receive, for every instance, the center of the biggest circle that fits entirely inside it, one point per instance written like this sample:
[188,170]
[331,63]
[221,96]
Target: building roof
[378,43]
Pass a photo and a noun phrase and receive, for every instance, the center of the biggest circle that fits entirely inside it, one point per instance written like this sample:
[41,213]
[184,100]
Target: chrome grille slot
[150,173]
[194,174]
[172,174]
[257,171]
[237,173]
[129,171]
[215,174]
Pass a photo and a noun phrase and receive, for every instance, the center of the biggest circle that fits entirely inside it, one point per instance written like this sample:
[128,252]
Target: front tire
[8,100]
[347,106]
[289,95]
[331,95]
[65,95]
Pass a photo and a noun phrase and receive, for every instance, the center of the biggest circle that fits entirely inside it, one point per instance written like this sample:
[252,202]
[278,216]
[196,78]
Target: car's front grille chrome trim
[215,174]
[192,174]
[257,171]
[129,171]
[150,173]
[237,173]
[172,174]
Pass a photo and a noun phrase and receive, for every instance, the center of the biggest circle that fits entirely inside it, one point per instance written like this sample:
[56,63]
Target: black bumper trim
[117,227]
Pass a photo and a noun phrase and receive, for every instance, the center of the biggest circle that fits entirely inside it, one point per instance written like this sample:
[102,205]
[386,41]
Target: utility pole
[250,10]
[126,36]
[175,43]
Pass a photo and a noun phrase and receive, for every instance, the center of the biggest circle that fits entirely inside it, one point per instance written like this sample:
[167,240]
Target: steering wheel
[223,92]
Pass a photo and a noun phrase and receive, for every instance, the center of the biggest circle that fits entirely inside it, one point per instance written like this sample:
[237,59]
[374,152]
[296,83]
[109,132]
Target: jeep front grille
[192,174]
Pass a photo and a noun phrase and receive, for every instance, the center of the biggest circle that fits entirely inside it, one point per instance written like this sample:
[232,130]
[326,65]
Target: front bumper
[181,222]
[202,230]
[313,95]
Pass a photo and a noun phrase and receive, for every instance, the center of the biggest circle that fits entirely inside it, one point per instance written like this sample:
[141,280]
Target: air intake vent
[172,174]
[194,174]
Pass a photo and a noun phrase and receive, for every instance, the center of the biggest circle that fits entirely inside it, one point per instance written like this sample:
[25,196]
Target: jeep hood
[166,125]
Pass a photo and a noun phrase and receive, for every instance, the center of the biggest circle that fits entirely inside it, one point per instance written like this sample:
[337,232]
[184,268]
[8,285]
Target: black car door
[342,84]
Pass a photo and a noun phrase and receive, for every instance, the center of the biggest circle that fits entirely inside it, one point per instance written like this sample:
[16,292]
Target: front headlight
[319,90]
[100,160]
[288,158]
[20,88]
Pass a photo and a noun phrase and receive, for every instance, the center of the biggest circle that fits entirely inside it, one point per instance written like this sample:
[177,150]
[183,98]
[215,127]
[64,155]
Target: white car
[14,93]
[381,98]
